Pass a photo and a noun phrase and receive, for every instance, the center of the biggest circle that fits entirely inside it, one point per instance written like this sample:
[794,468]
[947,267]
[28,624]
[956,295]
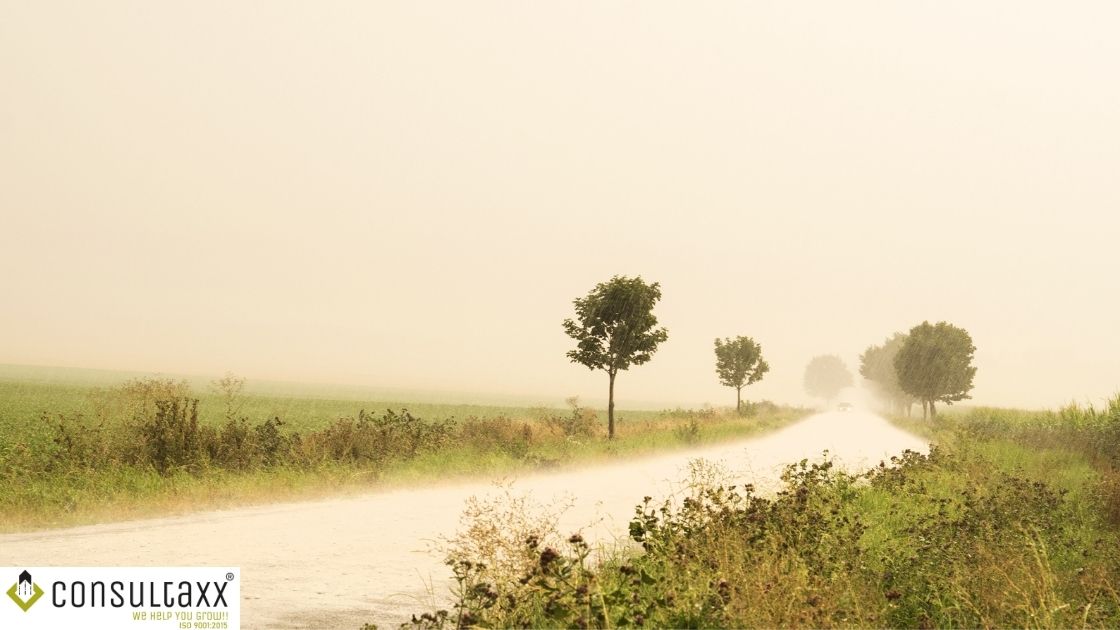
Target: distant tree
[935,364]
[825,376]
[739,363]
[615,328]
[876,364]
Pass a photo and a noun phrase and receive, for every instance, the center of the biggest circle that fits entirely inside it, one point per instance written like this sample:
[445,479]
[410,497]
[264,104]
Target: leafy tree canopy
[826,375]
[739,363]
[615,325]
[876,364]
[935,363]
[615,328]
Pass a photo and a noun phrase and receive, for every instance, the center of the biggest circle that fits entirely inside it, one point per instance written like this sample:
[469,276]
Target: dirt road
[343,562]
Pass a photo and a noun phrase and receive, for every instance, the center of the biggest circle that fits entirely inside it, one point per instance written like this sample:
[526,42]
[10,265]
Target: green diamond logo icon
[25,592]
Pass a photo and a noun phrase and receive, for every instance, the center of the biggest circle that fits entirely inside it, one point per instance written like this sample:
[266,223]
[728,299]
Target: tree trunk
[739,400]
[610,410]
[932,411]
[925,409]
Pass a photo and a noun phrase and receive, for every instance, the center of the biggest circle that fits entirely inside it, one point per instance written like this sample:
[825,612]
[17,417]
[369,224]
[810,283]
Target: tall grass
[1009,522]
[155,445]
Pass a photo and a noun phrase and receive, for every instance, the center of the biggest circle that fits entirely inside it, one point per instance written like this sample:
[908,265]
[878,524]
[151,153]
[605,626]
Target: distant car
[845,406]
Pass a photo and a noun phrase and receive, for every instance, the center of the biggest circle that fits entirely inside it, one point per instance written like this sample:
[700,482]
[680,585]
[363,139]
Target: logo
[111,598]
[25,592]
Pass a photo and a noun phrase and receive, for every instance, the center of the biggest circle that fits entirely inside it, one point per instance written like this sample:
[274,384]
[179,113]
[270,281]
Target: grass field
[81,447]
[1011,520]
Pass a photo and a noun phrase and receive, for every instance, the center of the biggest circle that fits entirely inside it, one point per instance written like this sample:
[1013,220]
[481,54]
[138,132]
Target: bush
[704,413]
[135,401]
[689,432]
[939,540]
[77,444]
[272,445]
[581,422]
[762,407]
[172,439]
[499,434]
[374,440]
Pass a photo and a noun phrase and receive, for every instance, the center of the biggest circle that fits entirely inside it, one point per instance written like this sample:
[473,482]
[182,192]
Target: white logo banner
[149,598]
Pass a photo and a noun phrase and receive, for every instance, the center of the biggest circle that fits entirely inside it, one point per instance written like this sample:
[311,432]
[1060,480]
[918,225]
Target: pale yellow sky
[410,194]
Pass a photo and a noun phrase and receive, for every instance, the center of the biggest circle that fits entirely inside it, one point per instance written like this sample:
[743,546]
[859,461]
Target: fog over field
[410,195]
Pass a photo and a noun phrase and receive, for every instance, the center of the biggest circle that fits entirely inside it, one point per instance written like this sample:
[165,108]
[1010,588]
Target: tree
[876,364]
[739,363]
[825,376]
[615,328]
[935,364]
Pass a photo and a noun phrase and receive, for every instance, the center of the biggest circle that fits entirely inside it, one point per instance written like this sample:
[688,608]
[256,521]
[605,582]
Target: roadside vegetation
[71,454]
[1011,520]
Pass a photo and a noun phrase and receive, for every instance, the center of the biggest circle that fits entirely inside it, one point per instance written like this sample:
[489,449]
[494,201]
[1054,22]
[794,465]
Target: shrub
[938,540]
[704,413]
[373,440]
[689,432]
[762,407]
[273,445]
[172,439]
[134,401]
[498,434]
[77,444]
[230,389]
[580,422]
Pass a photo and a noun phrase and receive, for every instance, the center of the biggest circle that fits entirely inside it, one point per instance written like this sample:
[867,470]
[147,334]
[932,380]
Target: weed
[152,442]
[689,432]
[581,422]
[984,532]
[499,434]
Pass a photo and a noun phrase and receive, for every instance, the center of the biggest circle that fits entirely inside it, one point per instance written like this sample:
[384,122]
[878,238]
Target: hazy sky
[410,194]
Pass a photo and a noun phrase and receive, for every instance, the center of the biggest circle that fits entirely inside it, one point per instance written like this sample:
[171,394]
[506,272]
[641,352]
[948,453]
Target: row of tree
[614,328]
[930,364]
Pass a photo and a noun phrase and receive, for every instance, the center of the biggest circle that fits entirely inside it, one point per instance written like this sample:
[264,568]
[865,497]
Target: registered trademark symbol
[229,577]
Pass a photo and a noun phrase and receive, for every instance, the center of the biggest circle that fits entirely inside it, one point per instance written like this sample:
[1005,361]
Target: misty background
[410,195]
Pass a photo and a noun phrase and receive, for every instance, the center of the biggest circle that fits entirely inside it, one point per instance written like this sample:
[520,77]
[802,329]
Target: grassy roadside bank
[1011,520]
[73,454]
